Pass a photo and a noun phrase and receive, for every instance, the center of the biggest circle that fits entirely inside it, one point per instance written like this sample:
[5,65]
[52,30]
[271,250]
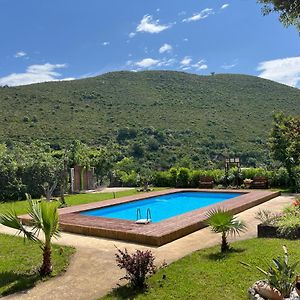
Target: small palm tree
[222,221]
[44,218]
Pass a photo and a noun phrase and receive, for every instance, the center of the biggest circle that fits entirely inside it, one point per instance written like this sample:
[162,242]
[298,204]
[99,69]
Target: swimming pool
[161,207]
[72,219]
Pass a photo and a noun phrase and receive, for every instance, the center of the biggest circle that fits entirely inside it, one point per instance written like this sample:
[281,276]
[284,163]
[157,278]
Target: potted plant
[247,183]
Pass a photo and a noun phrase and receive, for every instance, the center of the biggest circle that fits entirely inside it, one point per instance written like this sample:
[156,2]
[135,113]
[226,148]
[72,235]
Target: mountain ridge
[230,109]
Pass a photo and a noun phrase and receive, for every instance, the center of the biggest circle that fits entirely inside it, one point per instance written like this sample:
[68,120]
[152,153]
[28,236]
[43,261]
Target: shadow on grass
[127,292]
[11,282]
[223,255]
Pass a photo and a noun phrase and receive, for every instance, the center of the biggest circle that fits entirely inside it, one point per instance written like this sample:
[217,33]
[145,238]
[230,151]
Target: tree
[79,155]
[285,145]
[102,161]
[289,10]
[44,218]
[224,222]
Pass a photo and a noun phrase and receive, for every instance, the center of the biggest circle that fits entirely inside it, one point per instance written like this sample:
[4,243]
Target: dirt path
[93,272]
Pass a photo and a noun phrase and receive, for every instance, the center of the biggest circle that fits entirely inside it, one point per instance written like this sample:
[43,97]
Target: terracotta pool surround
[154,234]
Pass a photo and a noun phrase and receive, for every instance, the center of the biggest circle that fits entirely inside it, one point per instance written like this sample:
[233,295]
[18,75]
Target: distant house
[82,179]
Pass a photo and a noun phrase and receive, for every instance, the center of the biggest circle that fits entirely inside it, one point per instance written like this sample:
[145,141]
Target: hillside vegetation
[165,112]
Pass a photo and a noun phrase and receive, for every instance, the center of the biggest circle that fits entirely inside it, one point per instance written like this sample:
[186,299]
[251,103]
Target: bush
[183,177]
[162,179]
[137,266]
[279,178]
[254,172]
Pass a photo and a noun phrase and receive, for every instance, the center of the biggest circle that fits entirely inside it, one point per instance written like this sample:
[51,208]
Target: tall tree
[285,145]
[289,10]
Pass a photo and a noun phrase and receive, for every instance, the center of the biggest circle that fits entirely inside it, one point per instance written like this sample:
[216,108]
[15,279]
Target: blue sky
[64,39]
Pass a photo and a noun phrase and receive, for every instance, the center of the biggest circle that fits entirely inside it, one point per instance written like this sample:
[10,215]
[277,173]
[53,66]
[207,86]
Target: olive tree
[289,10]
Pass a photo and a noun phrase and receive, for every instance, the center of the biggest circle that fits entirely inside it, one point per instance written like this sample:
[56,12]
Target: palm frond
[223,221]
[50,219]
[35,213]
[10,219]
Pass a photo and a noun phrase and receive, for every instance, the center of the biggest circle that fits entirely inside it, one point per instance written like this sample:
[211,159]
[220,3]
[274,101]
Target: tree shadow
[17,282]
[223,255]
[127,292]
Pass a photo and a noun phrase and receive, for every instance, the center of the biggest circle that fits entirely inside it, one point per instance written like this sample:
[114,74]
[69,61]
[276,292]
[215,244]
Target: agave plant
[44,218]
[222,221]
[281,275]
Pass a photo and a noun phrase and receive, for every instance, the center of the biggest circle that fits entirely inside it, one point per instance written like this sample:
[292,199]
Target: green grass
[19,263]
[206,274]
[21,206]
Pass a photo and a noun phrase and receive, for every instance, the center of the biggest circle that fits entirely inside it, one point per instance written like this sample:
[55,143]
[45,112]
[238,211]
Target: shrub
[173,176]
[162,179]
[288,225]
[254,172]
[266,217]
[25,119]
[183,177]
[279,178]
[137,266]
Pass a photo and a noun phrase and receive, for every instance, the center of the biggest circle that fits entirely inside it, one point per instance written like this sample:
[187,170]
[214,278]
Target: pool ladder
[139,215]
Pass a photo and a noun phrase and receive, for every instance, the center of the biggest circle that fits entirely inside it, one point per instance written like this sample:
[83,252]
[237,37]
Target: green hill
[177,111]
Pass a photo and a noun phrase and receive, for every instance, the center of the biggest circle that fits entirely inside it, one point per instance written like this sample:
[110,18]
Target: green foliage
[44,218]
[183,177]
[206,272]
[18,261]
[171,114]
[289,10]
[226,223]
[285,145]
[281,275]
[266,217]
[26,168]
[288,225]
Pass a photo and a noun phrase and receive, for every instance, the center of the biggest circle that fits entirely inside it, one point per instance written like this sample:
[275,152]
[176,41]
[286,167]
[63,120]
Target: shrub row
[183,177]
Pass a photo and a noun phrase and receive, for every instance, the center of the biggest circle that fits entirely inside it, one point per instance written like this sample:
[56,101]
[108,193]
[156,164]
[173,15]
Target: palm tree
[222,221]
[44,218]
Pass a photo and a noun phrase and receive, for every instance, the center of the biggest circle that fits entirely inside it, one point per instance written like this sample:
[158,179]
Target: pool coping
[154,234]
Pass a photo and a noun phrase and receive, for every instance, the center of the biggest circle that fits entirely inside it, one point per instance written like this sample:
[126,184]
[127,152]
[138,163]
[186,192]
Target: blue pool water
[161,207]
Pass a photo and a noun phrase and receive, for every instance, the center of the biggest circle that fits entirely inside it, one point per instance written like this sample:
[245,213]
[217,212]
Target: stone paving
[93,273]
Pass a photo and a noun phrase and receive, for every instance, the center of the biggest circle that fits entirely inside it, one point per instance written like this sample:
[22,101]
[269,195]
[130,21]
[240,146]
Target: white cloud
[149,25]
[283,70]
[147,62]
[224,6]
[165,48]
[199,16]
[132,34]
[20,54]
[105,43]
[34,74]
[186,61]
[200,65]
[185,39]
[228,66]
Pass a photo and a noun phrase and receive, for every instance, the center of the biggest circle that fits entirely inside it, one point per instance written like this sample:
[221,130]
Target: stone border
[155,234]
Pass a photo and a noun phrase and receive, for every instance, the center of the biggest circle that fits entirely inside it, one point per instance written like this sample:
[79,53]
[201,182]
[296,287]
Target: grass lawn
[206,274]
[21,206]
[19,263]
